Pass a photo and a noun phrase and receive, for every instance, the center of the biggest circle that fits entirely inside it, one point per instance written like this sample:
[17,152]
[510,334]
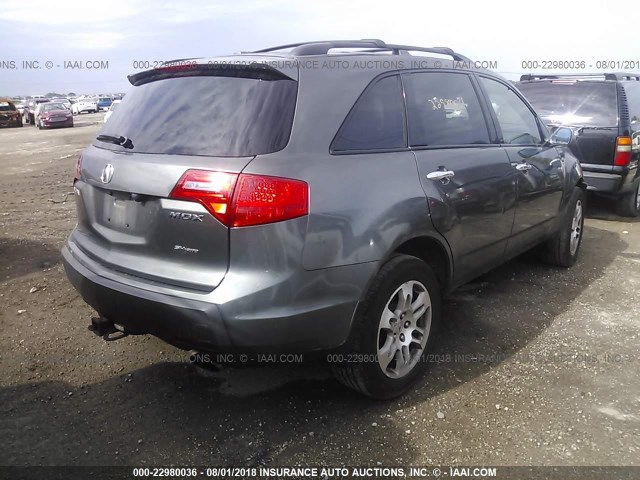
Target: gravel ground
[534,365]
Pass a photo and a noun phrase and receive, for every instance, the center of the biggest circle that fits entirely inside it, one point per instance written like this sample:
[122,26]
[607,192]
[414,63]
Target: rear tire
[629,204]
[385,355]
[562,250]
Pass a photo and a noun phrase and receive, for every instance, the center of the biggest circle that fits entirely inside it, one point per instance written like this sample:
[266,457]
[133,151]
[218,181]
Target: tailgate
[130,225]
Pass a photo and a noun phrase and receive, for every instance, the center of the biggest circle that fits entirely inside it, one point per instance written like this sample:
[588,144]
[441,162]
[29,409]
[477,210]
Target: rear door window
[377,120]
[206,115]
[443,109]
[516,121]
[573,103]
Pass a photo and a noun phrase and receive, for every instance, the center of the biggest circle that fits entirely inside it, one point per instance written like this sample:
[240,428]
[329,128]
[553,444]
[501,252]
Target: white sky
[121,32]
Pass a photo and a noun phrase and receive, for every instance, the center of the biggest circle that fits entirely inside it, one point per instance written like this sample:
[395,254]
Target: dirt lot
[546,373]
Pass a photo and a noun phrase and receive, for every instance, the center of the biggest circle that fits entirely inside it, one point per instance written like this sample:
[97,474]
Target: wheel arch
[434,253]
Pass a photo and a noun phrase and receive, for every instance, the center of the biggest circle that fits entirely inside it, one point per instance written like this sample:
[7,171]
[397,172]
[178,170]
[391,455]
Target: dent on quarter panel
[360,220]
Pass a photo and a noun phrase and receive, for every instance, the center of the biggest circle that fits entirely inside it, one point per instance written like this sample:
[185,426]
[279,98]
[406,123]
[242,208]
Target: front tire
[562,250]
[629,204]
[393,328]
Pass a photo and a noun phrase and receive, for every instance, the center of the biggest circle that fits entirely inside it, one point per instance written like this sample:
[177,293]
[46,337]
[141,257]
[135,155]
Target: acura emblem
[107,173]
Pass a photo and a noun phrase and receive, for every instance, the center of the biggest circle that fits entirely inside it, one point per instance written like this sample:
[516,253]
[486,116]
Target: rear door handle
[440,175]
[523,167]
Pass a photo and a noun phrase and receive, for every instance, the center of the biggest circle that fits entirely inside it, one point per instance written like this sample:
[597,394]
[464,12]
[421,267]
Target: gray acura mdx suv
[315,197]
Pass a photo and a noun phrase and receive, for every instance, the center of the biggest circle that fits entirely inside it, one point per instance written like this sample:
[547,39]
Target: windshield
[47,107]
[6,107]
[573,103]
[206,115]
[103,99]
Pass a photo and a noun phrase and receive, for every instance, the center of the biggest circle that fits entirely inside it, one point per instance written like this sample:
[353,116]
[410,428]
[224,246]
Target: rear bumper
[602,182]
[614,183]
[227,320]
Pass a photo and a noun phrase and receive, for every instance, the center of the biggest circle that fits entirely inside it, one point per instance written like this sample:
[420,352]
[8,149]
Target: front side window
[518,124]
[443,109]
[377,120]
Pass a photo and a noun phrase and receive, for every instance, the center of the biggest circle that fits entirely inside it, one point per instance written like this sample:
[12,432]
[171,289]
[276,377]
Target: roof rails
[376,45]
[582,76]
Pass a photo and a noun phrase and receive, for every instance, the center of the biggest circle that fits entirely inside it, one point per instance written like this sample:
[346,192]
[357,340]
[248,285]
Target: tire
[562,250]
[629,204]
[369,337]
[40,127]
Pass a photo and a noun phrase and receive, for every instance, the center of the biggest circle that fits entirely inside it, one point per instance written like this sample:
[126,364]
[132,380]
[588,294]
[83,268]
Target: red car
[53,114]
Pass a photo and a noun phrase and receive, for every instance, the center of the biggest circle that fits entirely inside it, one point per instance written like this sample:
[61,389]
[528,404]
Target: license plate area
[119,211]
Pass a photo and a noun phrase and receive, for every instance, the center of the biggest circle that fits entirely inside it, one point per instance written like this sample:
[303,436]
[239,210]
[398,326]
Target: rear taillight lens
[245,199]
[623,152]
[78,169]
[212,190]
[261,199]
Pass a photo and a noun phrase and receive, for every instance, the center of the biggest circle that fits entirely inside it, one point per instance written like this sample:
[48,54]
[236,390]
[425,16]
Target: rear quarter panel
[361,205]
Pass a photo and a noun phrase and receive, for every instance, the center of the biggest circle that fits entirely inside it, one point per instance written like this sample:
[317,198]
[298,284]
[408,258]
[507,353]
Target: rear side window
[632,89]
[443,109]
[377,120]
[573,103]
[517,123]
[205,115]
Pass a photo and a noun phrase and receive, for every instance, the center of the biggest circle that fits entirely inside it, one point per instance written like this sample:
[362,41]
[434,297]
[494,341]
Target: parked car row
[52,112]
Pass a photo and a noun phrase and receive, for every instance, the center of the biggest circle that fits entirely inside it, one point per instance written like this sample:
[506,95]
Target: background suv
[209,217]
[604,113]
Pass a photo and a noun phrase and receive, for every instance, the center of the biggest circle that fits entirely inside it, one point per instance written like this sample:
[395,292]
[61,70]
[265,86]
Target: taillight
[212,190]
[623,152]
[260,199]
[243,200]
[78,169]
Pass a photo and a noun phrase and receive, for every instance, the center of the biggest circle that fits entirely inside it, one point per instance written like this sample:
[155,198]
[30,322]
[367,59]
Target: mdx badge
[194,217]
[107,173]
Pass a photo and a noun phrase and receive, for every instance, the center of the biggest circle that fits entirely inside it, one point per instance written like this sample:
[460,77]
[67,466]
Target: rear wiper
[122,141]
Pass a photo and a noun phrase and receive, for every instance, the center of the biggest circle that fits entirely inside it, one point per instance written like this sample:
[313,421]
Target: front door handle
[523,167]
[440,175]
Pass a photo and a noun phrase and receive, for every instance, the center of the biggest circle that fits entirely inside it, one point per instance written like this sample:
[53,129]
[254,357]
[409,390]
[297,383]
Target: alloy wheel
[576,228]
[404,329]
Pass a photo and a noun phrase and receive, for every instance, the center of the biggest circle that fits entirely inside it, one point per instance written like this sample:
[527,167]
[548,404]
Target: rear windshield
[205,115]
[573,103]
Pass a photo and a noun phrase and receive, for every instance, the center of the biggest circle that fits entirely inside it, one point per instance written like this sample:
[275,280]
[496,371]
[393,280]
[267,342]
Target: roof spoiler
[191,68]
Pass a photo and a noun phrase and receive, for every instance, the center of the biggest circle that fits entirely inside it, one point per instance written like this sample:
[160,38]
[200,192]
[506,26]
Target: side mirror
[562,136]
